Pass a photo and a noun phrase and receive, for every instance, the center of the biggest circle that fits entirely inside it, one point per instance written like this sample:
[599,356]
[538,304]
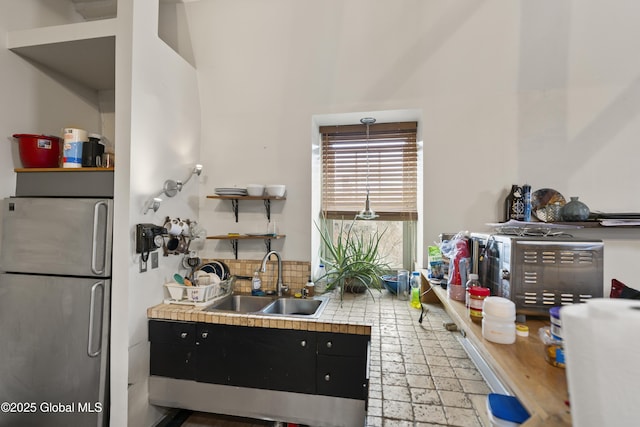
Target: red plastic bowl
[39,151]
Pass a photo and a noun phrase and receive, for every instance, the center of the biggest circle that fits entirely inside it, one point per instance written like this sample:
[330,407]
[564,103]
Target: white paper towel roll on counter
[602,347]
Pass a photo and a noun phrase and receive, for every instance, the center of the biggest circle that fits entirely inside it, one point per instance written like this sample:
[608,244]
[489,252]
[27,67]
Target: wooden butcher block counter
[521,367]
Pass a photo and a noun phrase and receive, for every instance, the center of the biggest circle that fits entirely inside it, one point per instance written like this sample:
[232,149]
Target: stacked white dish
[230,191]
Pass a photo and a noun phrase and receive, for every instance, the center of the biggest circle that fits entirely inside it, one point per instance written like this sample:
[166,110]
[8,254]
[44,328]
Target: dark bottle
[513,206]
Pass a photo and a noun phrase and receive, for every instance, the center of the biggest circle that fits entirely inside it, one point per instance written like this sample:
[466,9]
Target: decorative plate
[214,267]
[541,199]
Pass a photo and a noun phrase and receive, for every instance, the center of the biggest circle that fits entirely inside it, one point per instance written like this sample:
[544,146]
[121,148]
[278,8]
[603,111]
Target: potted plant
[352,259]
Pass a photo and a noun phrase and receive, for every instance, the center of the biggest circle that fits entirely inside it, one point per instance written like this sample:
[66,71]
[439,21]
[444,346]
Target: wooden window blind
[391,173]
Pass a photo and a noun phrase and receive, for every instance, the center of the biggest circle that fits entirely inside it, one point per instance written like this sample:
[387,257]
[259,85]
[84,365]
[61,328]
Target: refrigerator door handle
[92,319]
[96,238]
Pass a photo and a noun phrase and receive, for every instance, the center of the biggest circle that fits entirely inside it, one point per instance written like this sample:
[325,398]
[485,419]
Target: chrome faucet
[279,286]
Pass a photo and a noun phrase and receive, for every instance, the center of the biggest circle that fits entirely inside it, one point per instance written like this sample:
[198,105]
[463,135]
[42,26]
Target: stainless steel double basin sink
[271,306]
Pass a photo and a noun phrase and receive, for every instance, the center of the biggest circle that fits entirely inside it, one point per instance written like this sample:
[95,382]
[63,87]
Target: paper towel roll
[602,346]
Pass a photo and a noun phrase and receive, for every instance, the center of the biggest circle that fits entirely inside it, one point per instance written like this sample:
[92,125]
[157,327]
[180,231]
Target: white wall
[511,92]
[163,142]
[266,68]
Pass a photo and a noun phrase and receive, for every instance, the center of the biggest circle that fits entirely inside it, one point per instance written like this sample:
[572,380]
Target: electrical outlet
[154,259]
[143,265]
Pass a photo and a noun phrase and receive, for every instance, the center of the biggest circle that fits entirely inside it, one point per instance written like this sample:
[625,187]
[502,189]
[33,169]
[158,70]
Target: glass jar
[403,290]
[477,294]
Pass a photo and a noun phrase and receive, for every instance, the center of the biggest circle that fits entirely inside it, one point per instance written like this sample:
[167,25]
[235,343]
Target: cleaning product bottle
[319,279]
[310,287]
[256,284]
[415,290]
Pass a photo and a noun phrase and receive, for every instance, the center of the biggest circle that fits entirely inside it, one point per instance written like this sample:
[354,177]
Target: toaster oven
[538,273]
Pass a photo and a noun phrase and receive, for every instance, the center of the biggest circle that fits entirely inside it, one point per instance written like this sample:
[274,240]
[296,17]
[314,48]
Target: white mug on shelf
[177,227]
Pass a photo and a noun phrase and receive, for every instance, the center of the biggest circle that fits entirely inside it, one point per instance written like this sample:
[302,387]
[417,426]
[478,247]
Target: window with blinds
[386,164]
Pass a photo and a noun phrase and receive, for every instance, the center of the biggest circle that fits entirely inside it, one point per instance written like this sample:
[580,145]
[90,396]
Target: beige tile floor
[419,374]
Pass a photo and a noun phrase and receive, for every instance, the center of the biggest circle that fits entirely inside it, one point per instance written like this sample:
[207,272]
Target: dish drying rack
[533,229]
[197,296]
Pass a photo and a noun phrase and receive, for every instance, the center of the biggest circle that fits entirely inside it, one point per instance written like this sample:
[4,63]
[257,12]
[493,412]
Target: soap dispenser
[310,287]
[256,284]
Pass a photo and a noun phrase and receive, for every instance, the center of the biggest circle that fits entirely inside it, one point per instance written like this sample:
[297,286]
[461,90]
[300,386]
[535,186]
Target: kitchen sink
[270,306]
[295,307]
[241,303]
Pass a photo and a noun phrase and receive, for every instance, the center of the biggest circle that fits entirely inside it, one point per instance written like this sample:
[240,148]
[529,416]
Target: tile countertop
[337,316]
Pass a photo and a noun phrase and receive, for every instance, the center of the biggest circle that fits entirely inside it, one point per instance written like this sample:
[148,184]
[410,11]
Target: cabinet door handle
[329,344]
[183,335]
[205,335]
[327,377]
[303,343]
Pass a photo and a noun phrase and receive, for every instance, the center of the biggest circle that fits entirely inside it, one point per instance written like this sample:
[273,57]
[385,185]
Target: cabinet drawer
[343,344]
[342,376]
[166,331]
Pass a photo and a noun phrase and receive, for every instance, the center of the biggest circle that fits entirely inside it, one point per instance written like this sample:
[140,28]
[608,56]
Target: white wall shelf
[84,51]
[234,202]
[233,239]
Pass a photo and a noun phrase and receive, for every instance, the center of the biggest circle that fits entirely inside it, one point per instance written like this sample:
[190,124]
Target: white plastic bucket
[499,330]
[72,153]
[499,307]
[498,322]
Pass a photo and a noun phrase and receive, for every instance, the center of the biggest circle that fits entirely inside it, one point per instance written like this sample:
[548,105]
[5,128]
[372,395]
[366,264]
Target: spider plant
[352,259]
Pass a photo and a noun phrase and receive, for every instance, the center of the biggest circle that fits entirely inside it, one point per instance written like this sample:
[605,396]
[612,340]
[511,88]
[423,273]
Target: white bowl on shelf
[255,189]
[276,190]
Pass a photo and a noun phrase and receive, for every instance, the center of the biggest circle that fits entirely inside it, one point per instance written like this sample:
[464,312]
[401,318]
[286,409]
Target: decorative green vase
[575,210]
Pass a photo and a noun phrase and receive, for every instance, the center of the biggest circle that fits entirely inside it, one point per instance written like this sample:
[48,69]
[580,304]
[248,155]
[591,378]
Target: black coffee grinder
[92,151]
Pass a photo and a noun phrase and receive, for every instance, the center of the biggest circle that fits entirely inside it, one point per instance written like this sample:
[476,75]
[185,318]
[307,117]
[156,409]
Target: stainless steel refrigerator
[55,264]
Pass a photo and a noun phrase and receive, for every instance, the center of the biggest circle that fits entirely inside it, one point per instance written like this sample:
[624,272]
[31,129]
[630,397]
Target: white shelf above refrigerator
[83,52]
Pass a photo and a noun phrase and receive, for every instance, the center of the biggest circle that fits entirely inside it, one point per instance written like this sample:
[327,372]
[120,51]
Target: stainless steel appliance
[55,258]
[537,273]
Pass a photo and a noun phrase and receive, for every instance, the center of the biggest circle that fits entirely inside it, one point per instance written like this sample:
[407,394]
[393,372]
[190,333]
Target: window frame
[408,215]
[384,164]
